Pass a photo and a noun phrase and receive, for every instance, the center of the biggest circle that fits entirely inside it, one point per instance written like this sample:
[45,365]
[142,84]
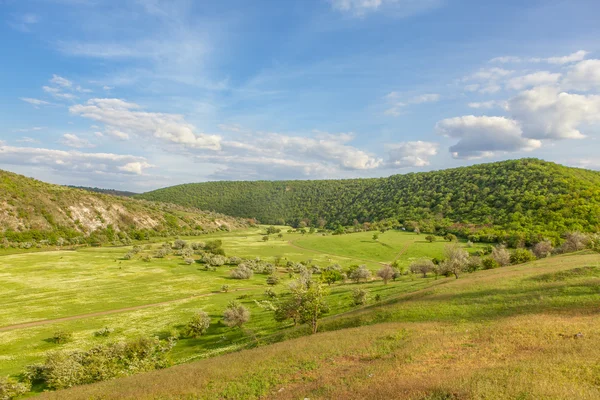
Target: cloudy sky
[141,94]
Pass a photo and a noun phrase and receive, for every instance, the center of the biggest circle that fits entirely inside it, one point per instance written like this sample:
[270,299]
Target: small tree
[430,238]
[265,238]
[543,249]
[331,276]
[306,304]
[62,337]
[456,261]
[422,266]
[520,256]
[359,297]
[241,272]
[575,241]
[235,315]
[375,236]
[272,280]
[501,255]
[489,263]
[450,237]
[225,288]
[386,273]
[198,325]
[360,273]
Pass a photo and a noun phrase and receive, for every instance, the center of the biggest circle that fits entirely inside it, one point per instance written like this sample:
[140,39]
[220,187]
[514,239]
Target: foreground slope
[527,194]
[30,209]
[522,332]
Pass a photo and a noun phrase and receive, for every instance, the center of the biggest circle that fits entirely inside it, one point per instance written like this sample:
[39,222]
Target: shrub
[104,332]
[198,324]
[225,288]
[359,273]
[188,261]
[198,245]
[575,241]
[543,249]
[242,272]
[146,258]
[489,263]
[501,255]
[422,266]
[234,260]
[265,238]
[272,280]
[128,256]
[161,253]
[10,389]
[270,293]
[179,244]
[61,337]
[430,238]
[386,273]
[330,276]
[359,297]
[520,256]
[235,315]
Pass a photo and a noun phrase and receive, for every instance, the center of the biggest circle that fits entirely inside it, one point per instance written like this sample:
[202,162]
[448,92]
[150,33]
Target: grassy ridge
[31,210]
[529,196]
[509,333]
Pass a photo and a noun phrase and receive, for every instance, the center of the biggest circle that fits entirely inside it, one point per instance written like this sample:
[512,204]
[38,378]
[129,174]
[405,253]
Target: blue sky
[140,94]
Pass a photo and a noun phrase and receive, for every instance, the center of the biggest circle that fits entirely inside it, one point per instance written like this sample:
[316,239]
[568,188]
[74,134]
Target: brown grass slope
[27,204]
[510,333]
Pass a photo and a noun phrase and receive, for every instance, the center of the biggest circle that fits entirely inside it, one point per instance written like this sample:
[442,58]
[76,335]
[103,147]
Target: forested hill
[32,211]
[519,195]
[113,192]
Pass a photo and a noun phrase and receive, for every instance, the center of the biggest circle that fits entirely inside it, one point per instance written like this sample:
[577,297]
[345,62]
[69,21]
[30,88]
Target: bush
[235,315]
[386,273]
[520,256]
[359,273]
[63,370]
[423,266]
[188,261]
[104,332]
[179,244]
[61,337]
[501,255]
[543,249]
[575,241]
[161,253]
[270,293]
[198,325]
[10,389]
[225,288]
[235,261]
[430,238]
[242,272]
[272,280]
[128,256]
[489,263]
[359,297]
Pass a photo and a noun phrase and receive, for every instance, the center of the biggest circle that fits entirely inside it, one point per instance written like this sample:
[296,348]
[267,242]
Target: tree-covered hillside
[529,196]
[34,211]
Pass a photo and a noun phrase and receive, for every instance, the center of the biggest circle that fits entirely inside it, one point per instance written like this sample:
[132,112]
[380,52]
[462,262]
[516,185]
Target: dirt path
[107,312]
[404,249]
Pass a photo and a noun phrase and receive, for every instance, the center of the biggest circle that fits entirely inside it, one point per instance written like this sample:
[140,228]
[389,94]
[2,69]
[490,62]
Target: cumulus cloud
[534,79]
[72,140]
[411,154]
[73,161]
[486,80]
[546,113]
[123,119]
[583,76]
[485,136]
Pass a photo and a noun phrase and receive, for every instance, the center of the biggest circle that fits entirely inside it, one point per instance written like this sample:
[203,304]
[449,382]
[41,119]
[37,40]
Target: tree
[375,236]
[331,276]
[306,304]
[450,237]
[422,266]
[265,238]
[198,325]
[501,255]
[543,249]
[360,273]
[272,230]
[235,315]
[520,256]
[386,273]
[430,238]
[241,272]
[272,280]
[359,297]
[575,241]
[456,260]
[225,288]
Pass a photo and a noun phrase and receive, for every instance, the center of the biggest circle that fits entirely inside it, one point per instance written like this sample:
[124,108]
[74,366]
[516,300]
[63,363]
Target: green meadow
[84,290]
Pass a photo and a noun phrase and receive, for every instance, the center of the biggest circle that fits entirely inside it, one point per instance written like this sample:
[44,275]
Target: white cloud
[105,87]
[488,104]
[583,76]
[411,154]
[124,119]
[396,106]
[60,81]
[51,90]
[34,102]
[546,113]
[27,139]
[73,161]
[33,129]
[485,136]
[534,79]
[399,8]
[486,80]
[571,58]
[72,140]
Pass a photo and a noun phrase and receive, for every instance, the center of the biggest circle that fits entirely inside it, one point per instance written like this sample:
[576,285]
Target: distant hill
[113,192]
[34,210]
[528,196]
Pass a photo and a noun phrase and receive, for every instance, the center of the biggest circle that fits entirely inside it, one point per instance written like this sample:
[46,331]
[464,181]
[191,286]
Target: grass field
[85,290]
[521,332]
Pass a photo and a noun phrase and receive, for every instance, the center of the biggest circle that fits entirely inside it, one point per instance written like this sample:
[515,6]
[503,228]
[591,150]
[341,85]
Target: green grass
[49,285]
[507,333]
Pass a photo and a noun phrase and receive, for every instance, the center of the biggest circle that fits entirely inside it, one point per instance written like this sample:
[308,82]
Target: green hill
[31,210]
[528,198]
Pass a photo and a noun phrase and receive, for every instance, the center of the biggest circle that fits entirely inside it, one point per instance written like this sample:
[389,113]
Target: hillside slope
[521,332]
[521,195]
[30,209]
